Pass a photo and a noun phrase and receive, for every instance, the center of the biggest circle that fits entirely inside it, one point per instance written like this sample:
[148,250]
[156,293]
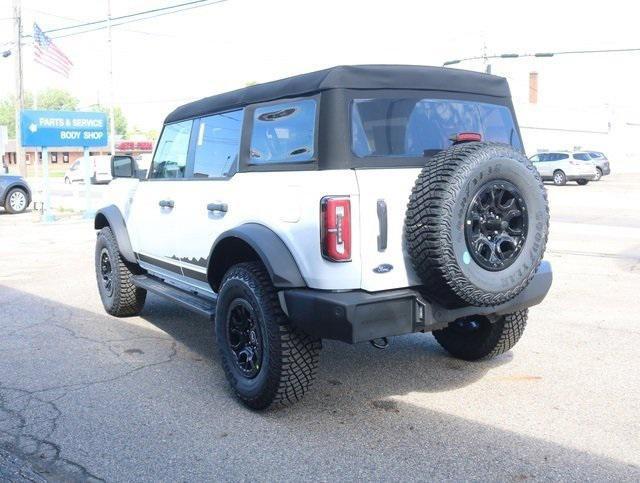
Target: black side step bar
[200,305]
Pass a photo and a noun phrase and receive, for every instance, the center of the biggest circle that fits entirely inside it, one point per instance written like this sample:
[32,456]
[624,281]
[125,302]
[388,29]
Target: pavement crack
[27,424]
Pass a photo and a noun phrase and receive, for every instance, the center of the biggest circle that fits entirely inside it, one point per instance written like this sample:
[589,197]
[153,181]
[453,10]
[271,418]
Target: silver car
[602,163]
[563,166]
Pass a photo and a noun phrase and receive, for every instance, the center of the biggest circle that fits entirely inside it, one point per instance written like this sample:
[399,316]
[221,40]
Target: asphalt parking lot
[87,396]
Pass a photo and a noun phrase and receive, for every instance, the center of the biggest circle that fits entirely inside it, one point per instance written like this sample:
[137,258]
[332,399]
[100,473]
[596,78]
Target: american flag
[47,54]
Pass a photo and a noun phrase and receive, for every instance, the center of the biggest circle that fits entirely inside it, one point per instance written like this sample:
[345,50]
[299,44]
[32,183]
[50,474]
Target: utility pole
[112,122]
[487,65]
[17,15]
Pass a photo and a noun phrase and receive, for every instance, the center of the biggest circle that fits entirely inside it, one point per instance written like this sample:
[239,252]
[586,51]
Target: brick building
[61,158]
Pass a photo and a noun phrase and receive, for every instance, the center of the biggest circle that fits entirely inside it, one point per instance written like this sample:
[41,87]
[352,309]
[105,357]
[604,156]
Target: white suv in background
[563,166]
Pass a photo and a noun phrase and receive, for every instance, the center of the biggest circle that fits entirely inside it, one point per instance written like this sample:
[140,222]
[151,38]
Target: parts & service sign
[63,128]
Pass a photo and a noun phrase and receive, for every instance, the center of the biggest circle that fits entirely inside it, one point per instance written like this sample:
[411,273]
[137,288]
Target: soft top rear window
[411,127]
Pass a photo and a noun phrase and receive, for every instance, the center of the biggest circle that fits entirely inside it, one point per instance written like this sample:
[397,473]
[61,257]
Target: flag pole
[112,123]
[35,101]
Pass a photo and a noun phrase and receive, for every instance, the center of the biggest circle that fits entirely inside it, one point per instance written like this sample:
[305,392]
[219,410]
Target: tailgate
[385,268]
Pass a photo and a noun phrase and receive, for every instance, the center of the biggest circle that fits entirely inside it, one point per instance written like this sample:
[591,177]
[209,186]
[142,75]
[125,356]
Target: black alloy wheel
[106,272]
[496,225]
[244,337]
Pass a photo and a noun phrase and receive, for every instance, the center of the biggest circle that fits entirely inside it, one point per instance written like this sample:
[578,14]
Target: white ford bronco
[354,203]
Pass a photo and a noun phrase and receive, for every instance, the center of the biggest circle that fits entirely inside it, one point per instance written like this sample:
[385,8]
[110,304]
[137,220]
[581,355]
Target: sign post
[86,167]
[47,129]
[47,216]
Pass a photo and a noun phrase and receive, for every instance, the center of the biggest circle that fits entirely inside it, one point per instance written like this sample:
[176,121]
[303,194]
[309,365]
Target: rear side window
[411,127]
[217,145]
[582,156]
[553,156]
[170,158]
[284,133]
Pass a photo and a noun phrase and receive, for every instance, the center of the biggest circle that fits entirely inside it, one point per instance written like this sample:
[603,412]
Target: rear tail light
[335,228]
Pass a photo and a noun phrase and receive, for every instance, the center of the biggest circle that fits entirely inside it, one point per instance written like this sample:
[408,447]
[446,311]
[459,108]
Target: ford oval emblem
[383,268]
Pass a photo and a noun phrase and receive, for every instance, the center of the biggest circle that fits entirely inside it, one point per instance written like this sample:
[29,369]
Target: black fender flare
[269,247]
[112,217]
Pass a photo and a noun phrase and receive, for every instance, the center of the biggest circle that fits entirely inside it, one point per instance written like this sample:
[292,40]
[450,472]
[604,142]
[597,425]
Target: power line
[133,17]
[49,14]
[540,54]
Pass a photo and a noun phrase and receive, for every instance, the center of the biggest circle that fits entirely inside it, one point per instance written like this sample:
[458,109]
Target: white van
[99,173]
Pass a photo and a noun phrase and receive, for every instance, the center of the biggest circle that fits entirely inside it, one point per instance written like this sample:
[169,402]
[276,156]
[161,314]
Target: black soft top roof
[349,77]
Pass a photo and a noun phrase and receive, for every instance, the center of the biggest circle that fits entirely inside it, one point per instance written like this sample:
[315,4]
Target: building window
[65,157]
[27,157]
[54,157]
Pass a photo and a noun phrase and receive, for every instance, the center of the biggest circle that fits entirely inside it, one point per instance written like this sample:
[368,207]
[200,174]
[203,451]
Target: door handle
[166,203]
[218,207]
[382,225]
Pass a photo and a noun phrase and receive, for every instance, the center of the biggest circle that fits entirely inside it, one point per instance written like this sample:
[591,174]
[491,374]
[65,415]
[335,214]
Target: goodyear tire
[477,224]
[476,338]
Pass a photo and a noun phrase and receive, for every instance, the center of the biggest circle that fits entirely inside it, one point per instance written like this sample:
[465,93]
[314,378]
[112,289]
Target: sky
[166,61]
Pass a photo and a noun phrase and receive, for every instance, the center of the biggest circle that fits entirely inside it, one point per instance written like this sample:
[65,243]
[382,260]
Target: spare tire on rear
[477,224]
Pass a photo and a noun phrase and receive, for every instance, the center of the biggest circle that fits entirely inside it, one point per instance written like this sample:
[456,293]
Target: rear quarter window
[283,133]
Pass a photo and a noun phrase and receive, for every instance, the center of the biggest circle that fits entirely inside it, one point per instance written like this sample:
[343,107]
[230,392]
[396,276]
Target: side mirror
[123,167]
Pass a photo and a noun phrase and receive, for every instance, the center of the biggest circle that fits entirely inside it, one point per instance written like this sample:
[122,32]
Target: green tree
[57,100]
[8,112]
[151,134]
[118,116]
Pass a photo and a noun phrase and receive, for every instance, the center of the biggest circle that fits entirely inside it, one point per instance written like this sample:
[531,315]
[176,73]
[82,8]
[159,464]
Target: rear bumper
[357,316]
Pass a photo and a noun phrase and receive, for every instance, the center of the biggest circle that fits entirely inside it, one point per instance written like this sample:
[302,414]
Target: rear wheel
[559,178]
[582,182]
[265,359]
[119,296]
[16,201]
[474,338]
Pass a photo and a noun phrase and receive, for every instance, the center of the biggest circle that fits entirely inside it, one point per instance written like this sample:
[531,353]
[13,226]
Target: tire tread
[429,218]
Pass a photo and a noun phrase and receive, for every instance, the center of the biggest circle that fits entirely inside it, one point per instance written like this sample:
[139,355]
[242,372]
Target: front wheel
[476,337]
[16,201]
[265,359]
[582,182]
[120,297]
